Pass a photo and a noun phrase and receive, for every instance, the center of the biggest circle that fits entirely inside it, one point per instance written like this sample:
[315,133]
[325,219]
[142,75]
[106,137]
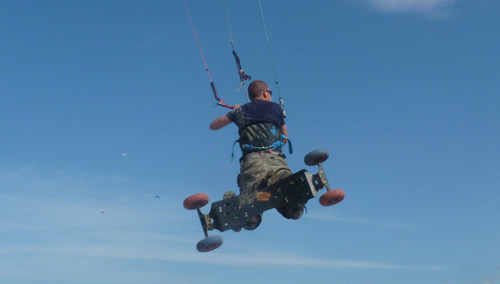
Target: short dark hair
[255,88]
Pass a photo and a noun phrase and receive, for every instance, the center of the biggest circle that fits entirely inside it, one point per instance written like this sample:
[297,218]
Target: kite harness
[261,136]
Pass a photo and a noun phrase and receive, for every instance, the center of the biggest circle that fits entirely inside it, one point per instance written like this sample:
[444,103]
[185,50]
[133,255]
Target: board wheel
[332,197]
[209,243]
[316,156]
[253,223]
[196,201]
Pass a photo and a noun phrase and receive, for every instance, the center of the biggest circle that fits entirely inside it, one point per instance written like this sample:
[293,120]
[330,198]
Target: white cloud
[377,223]
[291,260]
[428,7]
[52,231]
[158,251]
[492,280]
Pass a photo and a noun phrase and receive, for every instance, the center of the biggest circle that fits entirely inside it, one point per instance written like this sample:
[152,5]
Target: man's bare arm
[220,122]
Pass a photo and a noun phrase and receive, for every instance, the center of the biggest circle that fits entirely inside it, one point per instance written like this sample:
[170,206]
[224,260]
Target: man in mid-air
[262,130]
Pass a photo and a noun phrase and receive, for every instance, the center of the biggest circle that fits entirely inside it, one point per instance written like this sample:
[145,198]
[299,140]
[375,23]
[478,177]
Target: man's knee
[279,175]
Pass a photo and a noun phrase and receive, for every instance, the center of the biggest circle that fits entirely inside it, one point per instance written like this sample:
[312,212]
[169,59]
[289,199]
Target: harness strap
[232,153]
[275,145]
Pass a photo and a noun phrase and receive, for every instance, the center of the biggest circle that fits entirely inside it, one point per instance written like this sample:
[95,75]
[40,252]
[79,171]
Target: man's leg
[282,171]
[253,175]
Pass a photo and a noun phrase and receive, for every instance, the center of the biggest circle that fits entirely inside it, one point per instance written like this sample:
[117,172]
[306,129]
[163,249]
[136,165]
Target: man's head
[259,90]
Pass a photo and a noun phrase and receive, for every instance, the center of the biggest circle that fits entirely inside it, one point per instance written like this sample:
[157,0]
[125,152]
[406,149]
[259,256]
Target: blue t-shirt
[257,111]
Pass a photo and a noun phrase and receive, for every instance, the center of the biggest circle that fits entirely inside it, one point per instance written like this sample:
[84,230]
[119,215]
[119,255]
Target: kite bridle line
[282,103]
[241,72]
[212,84]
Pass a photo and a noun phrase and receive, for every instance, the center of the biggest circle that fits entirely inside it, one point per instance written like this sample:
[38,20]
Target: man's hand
[284,131]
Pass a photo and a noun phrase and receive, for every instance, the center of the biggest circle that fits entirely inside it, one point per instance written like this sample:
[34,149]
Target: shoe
[229,194]
[253,223]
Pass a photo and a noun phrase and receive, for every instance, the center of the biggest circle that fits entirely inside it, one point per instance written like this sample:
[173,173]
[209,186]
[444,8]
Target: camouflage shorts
[261,169]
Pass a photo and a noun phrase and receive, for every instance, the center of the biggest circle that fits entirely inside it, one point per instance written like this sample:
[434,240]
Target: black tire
[209,243]
[316,156]
[253,225]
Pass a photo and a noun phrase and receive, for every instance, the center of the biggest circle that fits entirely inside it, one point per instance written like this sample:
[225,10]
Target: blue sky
[106,104]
